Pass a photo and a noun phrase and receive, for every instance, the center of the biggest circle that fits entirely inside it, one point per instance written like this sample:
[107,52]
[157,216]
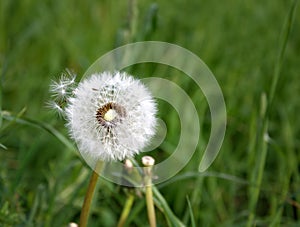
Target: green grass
[252,47]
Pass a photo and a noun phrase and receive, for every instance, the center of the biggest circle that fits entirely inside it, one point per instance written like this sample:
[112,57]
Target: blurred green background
[255,178]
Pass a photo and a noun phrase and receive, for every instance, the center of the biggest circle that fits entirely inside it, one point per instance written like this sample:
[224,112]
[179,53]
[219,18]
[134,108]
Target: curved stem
[85,210]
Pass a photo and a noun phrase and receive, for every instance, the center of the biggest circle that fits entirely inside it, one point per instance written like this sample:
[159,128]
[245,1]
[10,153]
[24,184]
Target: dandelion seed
[111,116]
[61,92]
[52,105]
[64,87]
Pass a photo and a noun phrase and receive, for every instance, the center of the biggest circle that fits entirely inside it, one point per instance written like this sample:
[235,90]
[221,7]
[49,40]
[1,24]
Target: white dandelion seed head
[111,116]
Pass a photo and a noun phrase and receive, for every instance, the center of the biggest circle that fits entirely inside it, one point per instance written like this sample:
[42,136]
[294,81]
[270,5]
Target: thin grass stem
[262,145]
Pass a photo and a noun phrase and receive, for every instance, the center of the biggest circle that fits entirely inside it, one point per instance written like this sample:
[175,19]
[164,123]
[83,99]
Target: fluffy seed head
[111,116]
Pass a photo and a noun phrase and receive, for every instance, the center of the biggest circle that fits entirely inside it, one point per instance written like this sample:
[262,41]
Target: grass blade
[193,224]
[38,124]
[171,218]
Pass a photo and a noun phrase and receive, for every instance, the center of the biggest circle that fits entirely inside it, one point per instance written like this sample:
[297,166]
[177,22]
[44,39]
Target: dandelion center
[109,114]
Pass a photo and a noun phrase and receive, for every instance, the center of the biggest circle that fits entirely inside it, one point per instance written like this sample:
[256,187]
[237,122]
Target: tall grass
[253,49]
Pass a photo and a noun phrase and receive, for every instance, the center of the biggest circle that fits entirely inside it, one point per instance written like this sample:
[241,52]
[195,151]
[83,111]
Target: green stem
[149,197]
[85,210]
[126,210]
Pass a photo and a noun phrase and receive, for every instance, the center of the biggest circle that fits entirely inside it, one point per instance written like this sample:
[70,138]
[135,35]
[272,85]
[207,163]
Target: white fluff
[128,136]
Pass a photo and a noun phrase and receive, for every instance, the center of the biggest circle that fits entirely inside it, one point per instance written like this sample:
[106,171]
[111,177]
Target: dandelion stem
[150,205]
[149,162]
[85,210]
[126,210]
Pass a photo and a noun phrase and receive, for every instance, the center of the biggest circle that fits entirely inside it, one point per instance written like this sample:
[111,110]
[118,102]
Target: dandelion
[111,116]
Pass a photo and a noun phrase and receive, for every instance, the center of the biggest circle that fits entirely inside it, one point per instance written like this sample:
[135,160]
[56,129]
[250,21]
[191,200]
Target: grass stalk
[258,176]
[285,36]
[262,145]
